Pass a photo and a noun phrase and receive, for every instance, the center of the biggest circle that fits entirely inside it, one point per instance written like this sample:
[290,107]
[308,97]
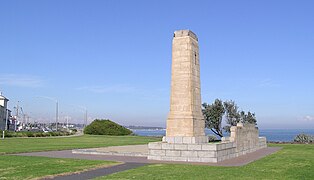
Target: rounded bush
[304,138]
[106,127]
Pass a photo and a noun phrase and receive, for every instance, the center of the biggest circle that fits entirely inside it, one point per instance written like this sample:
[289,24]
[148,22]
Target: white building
[4,112]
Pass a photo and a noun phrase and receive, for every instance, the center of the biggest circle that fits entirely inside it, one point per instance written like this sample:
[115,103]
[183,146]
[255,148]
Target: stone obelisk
[185,138]
[185,123]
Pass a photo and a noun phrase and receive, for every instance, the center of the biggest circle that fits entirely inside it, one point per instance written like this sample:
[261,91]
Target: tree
[243,116]
[213,116]
[214,113]
[232,114]
[248,118]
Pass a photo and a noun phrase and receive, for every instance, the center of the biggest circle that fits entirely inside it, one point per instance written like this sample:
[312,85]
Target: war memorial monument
[185,138]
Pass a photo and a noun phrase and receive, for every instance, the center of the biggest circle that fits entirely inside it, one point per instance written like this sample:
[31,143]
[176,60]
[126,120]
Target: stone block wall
[185,139]
[243,139]
[245,136]
[215,152]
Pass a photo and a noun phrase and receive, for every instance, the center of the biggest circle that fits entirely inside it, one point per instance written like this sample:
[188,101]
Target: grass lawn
[294,161]
[23,167]
[17,145]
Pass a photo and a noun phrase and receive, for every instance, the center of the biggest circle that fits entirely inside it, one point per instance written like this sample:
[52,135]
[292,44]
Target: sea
[273,135]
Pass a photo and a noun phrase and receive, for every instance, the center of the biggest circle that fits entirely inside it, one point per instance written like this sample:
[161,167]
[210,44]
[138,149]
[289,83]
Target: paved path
[69,154]
[129,150]
[238,161]
[98,172]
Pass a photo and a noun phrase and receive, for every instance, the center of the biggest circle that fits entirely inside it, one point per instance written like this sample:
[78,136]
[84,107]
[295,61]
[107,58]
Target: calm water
[284,135]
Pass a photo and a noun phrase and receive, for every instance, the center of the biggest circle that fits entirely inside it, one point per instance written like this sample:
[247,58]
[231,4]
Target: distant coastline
[144,128]
[272,135]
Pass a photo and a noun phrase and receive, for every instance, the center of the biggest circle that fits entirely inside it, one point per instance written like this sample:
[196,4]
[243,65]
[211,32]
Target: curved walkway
[134,161]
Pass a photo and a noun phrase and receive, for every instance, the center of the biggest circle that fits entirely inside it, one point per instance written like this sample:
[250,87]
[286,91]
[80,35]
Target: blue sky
[114,57]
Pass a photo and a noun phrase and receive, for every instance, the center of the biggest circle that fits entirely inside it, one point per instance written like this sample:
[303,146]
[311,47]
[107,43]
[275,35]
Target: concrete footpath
[98,172]
[135,161]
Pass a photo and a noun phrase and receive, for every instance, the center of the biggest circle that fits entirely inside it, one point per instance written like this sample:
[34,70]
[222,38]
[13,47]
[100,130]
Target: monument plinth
[185,123]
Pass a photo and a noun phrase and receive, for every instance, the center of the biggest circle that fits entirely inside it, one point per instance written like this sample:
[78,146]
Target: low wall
[243,139]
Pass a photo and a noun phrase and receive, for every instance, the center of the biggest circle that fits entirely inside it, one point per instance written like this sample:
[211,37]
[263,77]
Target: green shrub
[34,134]
[106,127]
[20,134]
[40,134]
[30,134]
[53,133]
[304,138]
[7,134]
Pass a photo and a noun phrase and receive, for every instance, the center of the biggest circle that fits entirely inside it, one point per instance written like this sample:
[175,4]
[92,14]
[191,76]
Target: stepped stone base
[129,150]
[214,152]
[243,139]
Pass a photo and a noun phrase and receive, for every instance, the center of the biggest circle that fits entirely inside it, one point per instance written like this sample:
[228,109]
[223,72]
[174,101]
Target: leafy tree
[232,114]
[247,118]
[215,112]
[213,116]
[243,116]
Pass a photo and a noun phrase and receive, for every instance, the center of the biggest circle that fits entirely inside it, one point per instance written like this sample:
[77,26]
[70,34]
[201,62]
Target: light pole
[85,110]
[67,118]
[85,118]
[6,119]
[6,122]
[57,108]
[17,114]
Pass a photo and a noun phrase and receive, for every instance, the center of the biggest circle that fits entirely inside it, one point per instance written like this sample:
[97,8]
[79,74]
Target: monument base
[243,139]
[210,152]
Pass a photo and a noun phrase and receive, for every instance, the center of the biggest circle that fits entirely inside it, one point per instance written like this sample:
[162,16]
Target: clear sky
[114,57]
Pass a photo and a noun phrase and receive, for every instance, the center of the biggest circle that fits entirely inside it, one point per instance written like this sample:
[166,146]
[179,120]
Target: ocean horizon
[274,135]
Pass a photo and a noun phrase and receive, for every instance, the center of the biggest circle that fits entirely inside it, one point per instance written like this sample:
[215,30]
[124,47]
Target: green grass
[18,145]
[294,161]
[24,167]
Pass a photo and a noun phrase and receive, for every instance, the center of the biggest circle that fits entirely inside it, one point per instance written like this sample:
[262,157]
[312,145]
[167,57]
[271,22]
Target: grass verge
[18,145]
[294,161]
[24,167]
